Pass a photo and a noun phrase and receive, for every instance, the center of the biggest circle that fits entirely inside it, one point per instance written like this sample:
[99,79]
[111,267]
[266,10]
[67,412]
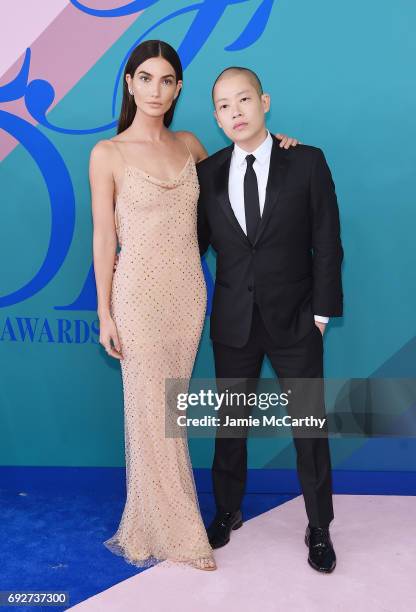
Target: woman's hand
[108,334]
[287,141]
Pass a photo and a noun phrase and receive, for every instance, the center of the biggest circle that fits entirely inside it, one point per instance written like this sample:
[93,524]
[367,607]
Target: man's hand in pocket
[320,326]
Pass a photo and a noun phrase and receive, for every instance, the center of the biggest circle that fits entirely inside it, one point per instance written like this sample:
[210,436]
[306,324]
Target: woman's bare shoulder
[104,159]
[104,153]
[189,137]
[195,145]
[102,148]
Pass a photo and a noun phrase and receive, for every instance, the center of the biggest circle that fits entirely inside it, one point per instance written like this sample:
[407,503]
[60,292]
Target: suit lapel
[221,189]
[277,172]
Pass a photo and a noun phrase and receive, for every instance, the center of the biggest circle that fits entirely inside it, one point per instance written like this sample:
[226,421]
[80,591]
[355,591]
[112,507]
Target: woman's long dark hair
[143,52]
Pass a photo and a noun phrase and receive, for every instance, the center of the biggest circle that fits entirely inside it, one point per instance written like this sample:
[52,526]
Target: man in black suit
[272,217]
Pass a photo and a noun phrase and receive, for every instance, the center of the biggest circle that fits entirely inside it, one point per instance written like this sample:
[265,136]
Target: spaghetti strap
[120,151]
[189,150]
[119,183]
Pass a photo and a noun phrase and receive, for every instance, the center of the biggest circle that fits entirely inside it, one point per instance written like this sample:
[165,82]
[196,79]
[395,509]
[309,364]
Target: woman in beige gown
[153,308]
[158,303]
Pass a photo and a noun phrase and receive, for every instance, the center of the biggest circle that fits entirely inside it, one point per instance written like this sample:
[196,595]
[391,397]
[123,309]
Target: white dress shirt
[261,167]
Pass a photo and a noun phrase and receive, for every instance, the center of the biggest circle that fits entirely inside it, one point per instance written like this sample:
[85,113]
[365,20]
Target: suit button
[250,287]
[253,250]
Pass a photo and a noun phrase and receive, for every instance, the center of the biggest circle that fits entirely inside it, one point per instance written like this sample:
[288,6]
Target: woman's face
[154,86]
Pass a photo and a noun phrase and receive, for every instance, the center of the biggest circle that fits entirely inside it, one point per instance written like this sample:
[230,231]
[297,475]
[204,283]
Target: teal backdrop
[340,77]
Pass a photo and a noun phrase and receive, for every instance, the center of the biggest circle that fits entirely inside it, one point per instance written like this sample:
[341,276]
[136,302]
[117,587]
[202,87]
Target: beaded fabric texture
[158,303]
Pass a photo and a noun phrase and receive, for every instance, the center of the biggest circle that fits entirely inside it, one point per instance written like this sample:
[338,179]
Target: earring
[130,92]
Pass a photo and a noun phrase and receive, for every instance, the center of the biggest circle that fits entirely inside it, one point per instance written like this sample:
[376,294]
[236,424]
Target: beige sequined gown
[158,304]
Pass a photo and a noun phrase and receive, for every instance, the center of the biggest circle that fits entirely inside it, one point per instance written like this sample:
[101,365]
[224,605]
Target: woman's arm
[104,237]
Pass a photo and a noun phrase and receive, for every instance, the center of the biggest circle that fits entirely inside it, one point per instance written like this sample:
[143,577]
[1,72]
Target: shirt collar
[262,153]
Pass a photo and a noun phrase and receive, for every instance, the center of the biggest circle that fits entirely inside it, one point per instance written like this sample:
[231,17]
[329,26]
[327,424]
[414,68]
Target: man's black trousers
[302,360]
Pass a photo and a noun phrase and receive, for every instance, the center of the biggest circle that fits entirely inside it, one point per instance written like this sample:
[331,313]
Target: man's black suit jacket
[293,267]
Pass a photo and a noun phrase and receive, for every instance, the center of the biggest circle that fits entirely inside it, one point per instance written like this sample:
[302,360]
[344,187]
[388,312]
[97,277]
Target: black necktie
[251,199]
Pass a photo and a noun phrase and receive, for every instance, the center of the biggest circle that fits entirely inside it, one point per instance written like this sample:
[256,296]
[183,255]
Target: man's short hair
[255,81]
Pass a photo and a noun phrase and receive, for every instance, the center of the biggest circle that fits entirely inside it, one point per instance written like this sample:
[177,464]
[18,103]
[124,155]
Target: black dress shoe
[220,528]
[321,552]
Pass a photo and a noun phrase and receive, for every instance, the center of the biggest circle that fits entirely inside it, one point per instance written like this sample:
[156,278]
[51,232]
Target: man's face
[239,108]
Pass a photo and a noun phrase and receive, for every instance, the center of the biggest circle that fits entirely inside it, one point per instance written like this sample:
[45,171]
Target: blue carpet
[54,520]
[53,541]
